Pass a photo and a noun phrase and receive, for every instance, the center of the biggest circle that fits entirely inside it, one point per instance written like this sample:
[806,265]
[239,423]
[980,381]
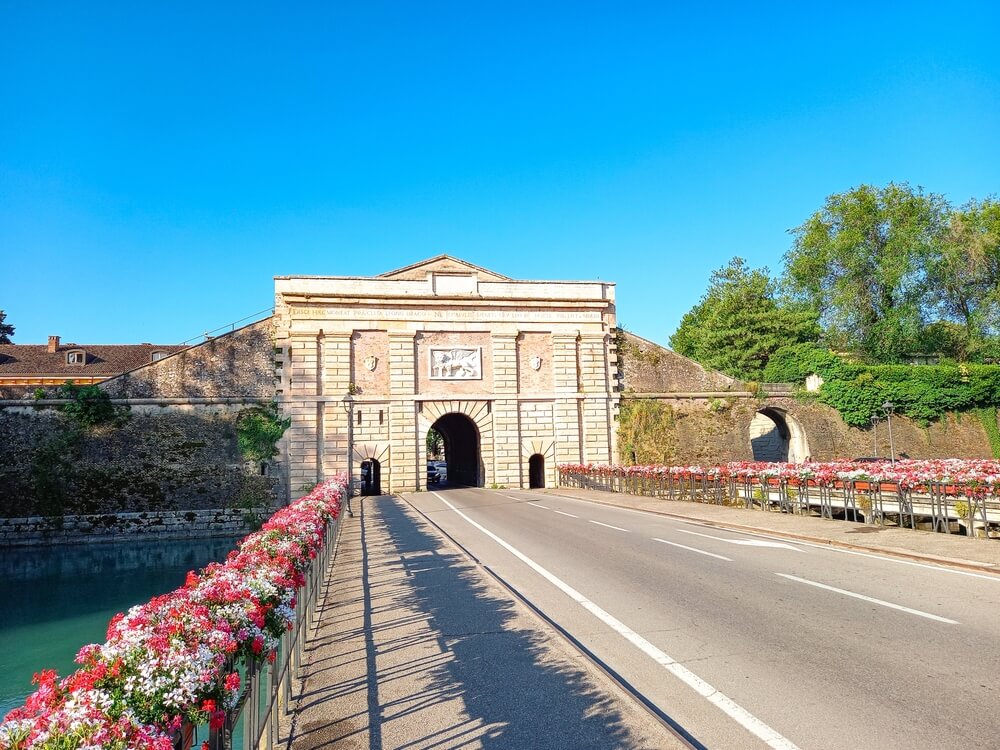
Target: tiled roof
[101,359]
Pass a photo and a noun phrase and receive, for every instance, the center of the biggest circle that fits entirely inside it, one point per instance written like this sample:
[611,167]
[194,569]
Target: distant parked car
[437,471]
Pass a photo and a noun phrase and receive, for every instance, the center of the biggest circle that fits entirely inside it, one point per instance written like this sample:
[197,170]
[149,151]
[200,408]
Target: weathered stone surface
[167,459]
[647,367]
[115,527]
[705,431]
[241,363]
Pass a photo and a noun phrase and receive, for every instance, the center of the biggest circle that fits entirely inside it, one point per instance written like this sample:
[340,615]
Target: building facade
[516,376]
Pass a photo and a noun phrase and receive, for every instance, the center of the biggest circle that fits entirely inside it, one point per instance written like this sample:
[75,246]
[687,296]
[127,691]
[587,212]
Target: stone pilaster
[567,412]
[302,435]
[596,411]
[506,432]
[336,375]
[407,449]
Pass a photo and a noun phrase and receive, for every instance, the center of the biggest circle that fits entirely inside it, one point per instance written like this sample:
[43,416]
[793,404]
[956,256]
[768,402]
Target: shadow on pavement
[508,680]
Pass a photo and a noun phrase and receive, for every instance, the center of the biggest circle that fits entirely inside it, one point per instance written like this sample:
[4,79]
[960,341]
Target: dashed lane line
[609,526]
[743,542]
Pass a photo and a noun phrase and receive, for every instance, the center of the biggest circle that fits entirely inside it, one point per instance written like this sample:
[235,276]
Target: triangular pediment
[443,264]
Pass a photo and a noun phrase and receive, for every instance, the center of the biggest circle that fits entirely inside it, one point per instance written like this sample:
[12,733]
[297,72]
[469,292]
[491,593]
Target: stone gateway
[516,376]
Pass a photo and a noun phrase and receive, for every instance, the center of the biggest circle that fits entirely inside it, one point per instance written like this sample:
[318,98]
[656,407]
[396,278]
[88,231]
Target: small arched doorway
[776,436]
[371,477]
[461,449]
[536,471]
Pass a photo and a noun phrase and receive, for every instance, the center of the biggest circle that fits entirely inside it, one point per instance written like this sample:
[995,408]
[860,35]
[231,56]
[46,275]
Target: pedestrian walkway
[417,647]
[924,546]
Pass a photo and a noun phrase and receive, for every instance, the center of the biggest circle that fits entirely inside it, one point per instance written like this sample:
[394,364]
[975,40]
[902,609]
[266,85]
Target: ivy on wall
[258,430]
[920,392]
[646,432]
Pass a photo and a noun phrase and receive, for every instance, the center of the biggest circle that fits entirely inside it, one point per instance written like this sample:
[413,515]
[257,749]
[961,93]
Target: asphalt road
[747,641]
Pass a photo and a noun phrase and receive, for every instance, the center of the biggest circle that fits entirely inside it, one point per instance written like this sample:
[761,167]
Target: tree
[434,443]
[965,274]
[6,329]
[862,262]
[740,322]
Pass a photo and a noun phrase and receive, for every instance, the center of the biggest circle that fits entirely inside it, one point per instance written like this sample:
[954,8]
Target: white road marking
[929,566]
[942,568]
[728,706]
[900,607]
[692,549]
[563,513]
[609,526]
[743,542]
[536,505]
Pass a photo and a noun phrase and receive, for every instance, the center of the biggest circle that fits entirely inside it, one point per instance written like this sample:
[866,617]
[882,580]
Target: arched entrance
[536,471]
[461,449]
[776,436]
[371,477]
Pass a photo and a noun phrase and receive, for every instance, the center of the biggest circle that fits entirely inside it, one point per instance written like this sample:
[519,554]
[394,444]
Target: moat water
[56,600]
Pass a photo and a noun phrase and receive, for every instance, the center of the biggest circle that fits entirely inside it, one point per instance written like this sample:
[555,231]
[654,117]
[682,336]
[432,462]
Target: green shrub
[921,392]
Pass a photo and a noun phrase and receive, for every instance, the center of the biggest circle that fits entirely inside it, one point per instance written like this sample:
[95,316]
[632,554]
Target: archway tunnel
[461,449]
[776,436]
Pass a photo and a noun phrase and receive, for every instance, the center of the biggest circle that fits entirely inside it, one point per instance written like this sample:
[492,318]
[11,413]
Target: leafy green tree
[434,443]
[965,275]
[862,261]
[6,329]
[740,322]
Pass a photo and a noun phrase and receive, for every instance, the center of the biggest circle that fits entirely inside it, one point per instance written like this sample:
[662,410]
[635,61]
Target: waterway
[56,600]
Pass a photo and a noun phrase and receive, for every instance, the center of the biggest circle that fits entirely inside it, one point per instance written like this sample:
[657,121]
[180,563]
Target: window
[76,357]
[157,356]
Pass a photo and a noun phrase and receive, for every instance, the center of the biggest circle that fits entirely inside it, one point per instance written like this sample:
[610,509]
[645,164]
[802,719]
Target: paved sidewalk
[417,647]
[972,554]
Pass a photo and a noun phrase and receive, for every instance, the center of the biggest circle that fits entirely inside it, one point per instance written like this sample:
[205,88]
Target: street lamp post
[875,435]
[888,407]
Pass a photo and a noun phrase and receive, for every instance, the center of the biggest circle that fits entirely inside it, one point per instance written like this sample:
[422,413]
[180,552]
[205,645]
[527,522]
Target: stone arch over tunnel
[776,436]
[478,423]
[461,448]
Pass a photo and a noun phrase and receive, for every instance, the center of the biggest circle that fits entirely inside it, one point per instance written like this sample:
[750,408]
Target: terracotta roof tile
[101,359]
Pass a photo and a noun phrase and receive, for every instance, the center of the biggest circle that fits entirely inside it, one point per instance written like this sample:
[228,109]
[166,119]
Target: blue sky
[160,164]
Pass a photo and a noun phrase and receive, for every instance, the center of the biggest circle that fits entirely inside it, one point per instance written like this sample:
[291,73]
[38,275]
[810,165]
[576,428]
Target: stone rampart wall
[241,363]
[646,367]
[119,527]
[711,431]
[179,457]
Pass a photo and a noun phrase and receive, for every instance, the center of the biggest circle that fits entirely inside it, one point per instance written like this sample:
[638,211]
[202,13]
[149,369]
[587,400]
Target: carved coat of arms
[535,362]
[371,363]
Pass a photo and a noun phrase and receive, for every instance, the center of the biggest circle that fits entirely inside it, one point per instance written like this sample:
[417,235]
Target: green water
[55,600]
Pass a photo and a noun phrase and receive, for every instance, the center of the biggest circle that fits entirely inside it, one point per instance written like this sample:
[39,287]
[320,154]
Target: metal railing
[934,506]
[267,687]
